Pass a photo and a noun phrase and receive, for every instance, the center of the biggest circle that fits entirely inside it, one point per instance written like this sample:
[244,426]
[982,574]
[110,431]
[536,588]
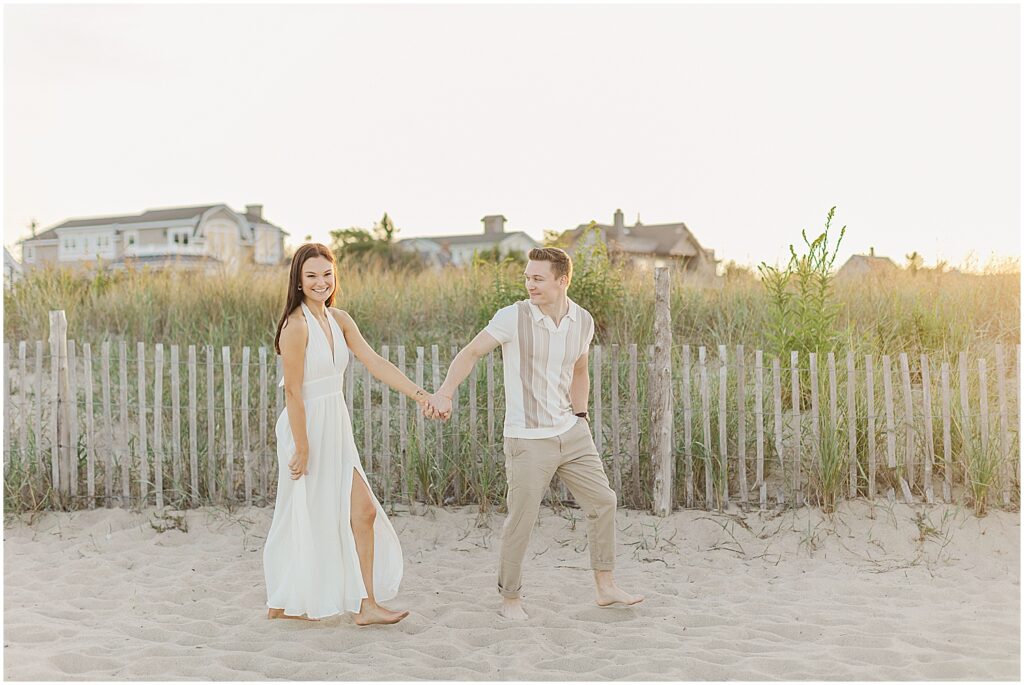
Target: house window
[179,237]
[30,254]
[129,239]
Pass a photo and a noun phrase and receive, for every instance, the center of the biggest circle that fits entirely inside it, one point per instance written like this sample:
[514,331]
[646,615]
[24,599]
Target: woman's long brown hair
[294,297]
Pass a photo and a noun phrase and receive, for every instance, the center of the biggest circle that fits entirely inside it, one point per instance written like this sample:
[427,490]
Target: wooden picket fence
[159,424]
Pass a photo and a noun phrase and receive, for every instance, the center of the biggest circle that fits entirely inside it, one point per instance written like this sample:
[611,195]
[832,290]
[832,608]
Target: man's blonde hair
[561,262]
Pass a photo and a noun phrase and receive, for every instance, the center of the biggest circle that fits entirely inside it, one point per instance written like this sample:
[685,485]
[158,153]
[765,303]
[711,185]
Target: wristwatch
[583,415]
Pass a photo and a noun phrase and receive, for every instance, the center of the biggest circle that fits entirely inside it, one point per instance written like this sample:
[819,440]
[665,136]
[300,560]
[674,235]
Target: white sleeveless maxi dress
[309,560]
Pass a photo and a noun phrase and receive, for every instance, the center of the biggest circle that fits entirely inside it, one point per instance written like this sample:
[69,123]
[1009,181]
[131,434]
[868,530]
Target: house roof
[150,215]
[674,240]
[473,238]
[872,261]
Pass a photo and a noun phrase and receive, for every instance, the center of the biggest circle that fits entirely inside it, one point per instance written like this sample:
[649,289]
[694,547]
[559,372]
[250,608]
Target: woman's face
[317,279]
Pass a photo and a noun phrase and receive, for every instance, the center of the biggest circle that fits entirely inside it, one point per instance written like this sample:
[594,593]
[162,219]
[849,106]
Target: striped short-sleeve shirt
[538,359]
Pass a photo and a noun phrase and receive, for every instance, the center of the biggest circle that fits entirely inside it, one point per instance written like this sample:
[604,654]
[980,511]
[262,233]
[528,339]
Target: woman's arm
[293,357]
[379,368]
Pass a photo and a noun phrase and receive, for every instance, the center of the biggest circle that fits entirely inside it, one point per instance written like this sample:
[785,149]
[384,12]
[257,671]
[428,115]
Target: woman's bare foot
[279,613]
[512,609]
[375,614]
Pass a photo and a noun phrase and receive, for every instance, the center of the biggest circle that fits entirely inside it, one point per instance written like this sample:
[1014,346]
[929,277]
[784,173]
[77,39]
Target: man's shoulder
[584,314]
[512,309]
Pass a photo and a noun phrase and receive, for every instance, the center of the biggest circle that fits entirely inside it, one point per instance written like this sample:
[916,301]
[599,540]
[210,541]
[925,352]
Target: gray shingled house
[648,246]
[206,237]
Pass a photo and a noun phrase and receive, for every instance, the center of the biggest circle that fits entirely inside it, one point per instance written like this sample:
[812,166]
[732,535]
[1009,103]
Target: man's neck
[557,310]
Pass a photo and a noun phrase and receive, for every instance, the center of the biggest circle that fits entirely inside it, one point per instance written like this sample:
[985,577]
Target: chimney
[254,210]
[619,223]
[871,251]
[494,224]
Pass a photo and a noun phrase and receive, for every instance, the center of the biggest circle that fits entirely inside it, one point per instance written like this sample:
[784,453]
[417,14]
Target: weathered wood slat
[851,418]
[108,426]
[1005,471]
[367,421]
[54,393]
[244,418]
[7,409]
[229,427]
[723,427]
[812,360]
[705,407]
[23,404]
[211,435]
[90,426]
[140,354]
[890,414]
[38,423]
[762,490]
[403,428]
[741,423]
[74,427]
[794,360]
[158,425]
[947,439]
[983,422]
[385,434]
[177,468]
[125,457]
[634,427]
[779,442]
[926,417]
[263,461]
[193,426]
[869,384]
[687,426]
[909,463]
[421,439]
[435,372]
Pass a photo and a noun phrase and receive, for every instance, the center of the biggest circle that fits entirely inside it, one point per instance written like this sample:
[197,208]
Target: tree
[914,262]
[376,245]
[556,238]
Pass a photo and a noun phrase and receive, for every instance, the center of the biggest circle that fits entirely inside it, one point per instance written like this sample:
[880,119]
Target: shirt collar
[538,315]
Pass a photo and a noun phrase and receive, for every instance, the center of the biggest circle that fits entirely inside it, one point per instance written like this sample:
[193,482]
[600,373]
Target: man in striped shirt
[544,343]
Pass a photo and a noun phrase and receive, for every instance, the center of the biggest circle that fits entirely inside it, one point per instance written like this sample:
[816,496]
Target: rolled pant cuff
[508,594]
[602,565]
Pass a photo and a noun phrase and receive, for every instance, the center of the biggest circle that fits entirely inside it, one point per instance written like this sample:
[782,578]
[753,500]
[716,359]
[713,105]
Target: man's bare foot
[512,609]
[375,614]
[279,613]
[610,594]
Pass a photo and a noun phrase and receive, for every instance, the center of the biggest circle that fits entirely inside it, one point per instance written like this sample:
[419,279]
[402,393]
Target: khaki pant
[529,467]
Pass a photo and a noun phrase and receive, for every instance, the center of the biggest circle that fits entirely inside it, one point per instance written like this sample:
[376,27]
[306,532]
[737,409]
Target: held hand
[299,465]
[441,406]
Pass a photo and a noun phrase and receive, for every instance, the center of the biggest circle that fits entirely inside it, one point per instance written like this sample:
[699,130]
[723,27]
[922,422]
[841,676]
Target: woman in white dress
[330,548]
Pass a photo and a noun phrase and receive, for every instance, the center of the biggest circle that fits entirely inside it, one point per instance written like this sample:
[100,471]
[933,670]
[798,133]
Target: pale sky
[745,122]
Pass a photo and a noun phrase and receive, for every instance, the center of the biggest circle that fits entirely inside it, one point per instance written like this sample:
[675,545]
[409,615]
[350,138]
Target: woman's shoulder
[340,315]
[295,324]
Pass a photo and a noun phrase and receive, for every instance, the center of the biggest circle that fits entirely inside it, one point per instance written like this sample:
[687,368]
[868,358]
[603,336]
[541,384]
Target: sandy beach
[881,591]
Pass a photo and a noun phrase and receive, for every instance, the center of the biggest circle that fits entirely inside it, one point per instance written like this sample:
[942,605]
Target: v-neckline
[330,343]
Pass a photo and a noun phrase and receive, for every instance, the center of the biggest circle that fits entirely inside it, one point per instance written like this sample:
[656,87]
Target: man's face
[541,284]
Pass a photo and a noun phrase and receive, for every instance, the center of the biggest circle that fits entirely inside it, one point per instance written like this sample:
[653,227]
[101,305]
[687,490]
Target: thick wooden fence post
[661,403]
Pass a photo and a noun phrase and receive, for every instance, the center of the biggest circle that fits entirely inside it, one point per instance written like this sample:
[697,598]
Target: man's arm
[460,368]
[579,389]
